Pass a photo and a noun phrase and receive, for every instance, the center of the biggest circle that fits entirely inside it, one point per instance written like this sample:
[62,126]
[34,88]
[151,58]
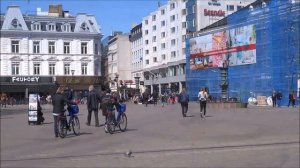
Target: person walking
[291,97]
[274,97]
[202,96]
[93,101]
[146,97]
[279,97]
[184,102]
[59,101]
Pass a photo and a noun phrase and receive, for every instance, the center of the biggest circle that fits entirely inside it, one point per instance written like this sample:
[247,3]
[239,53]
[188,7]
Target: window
[15,68]
[162,12]
[194,8]
[173,42]
[51,47]
[154,49]
[147,52]
[153,28]
[194,23]
[66,47]
[183,12]
[84,69]
[163,23]
[36,47]
[36,27]
[163,45]
[230,7]
[146,41]
[163,34]
[51,27]
[154,18]
[15,46]
[154,59]
[172,6]
[154,39]
[239,7]
[173,54]
[67,68]
[36,68]
[51,69]
[147,62]
[83,48]
[183,50]
[146,22]
[66,28]
[163,57]
[183,24]
[84,27]
[173,30]
[183,38]
[172,18]
[15,24]
[146,31]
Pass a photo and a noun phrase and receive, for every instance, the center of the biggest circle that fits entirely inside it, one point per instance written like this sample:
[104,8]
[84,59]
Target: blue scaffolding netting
[276,64]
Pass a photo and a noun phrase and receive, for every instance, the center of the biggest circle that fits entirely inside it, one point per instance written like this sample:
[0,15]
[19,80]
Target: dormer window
[51,27]
[36,26]
[66,27]
[15,24]
[84,27]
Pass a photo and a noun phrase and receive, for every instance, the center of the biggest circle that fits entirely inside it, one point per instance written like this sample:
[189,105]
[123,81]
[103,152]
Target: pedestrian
[184,101]
[107,102]
[202,96]
[59,101]
[294,99]
[279,97]
[155,97]
[146,97]
[274,97]
[93,101]
[291,97]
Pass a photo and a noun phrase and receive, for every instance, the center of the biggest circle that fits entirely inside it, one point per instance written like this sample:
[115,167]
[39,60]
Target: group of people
[184,101]
[63,97]
[277,97]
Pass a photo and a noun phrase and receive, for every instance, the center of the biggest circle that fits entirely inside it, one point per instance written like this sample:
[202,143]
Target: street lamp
[137,82]
[72,71]
[117,81]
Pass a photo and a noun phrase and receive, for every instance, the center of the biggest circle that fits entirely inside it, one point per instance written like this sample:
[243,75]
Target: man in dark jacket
[59,101]
[184,101]
[93,101]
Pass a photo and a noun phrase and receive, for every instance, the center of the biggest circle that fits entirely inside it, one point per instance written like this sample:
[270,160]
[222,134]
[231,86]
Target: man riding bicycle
[108,103]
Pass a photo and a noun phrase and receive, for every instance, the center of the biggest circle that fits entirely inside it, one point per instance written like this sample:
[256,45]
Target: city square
[257,136]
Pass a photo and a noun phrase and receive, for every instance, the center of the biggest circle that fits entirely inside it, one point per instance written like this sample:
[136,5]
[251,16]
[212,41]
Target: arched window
[15,24]
[84,27]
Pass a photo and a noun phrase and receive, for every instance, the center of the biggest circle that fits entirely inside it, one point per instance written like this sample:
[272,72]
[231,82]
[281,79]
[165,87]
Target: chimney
[55,10]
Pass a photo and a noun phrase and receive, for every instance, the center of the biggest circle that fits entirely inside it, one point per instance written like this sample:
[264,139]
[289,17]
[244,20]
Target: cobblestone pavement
[257,136]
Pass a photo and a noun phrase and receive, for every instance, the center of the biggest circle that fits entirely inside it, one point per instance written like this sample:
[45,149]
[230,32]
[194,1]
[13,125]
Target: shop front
[17,88]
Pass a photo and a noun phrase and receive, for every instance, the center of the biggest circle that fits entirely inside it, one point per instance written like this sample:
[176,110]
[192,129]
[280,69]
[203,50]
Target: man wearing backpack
[184,101]
[93,101]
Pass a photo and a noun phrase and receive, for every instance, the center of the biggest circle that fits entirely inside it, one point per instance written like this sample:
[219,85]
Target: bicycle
[64,125]
[112,122]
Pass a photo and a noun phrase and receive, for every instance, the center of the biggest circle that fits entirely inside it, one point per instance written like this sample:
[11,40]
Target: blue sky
[111,15]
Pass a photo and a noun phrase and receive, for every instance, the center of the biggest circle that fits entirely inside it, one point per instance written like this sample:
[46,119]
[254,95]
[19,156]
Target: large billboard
[225,48]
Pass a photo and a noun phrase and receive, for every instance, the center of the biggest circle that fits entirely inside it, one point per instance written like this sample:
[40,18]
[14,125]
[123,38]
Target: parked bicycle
[113,122]
[64,125]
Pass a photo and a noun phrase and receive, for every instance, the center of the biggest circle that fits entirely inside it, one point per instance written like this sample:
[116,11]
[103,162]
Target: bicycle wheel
[62,128]
[109,127]
[76,125]
[123,122]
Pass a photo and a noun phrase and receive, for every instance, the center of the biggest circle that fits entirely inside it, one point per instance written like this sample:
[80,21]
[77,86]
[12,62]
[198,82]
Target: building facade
[48,45]
[119,64]
[259,48]
[137,55]
[164,38]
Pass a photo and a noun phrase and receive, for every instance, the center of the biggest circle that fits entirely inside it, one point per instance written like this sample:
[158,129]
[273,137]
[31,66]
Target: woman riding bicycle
[59,101]
[108,102]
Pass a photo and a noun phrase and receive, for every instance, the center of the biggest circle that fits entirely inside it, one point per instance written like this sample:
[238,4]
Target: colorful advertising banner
[226,48]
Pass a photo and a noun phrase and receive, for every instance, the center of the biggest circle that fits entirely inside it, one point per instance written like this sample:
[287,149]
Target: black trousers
[184,108]
[90,116]
[274,102]
[55,118]
[203,107]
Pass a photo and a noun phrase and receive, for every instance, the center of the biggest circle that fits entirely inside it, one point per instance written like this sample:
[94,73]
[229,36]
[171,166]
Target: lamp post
[72,71]
[137,82]
[117,81]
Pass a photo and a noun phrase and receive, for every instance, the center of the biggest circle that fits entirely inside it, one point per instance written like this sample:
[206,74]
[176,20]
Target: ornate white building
[48,44]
